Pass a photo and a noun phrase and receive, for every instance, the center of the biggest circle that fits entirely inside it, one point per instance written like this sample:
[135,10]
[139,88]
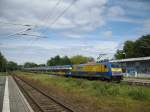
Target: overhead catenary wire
[38,26]
[34,26]
[64,11]
[28,25]
[52,11]
[44,20]
[61,14]
[24,34]
[17,24]
[56,19]
[28,29]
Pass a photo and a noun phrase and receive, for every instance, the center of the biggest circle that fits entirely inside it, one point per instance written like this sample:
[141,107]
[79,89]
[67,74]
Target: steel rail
[49,97]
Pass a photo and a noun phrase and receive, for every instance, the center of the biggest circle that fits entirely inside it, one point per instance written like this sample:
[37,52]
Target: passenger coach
[105,70]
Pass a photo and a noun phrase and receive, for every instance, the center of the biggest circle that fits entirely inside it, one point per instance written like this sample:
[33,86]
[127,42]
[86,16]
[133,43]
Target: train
[104,71]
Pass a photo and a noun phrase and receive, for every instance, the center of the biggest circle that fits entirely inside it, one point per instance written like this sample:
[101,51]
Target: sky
[69,27]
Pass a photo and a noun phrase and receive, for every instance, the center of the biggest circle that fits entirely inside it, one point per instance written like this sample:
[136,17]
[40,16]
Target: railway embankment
[92,96]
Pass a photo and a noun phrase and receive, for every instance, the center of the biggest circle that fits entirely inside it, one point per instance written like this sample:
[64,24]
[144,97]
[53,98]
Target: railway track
[39,100]
[133,81]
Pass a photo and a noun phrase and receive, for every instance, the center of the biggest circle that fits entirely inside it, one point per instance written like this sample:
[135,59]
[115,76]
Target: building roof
[132,59]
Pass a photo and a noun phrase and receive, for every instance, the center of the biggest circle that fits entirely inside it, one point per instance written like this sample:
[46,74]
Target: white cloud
[143,29]
[115,11]
[84,15]
[73,35]
[82,18]
[108,34]
[118,14]
[146,27]
[40,54]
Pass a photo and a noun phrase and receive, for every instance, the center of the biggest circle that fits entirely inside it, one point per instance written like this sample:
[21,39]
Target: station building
[135,67]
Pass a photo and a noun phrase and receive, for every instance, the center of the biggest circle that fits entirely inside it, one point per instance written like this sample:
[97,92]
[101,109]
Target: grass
[96,95]
[3,73]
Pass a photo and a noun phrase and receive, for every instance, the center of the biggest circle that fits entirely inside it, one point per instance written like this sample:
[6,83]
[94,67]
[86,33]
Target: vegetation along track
[43,102]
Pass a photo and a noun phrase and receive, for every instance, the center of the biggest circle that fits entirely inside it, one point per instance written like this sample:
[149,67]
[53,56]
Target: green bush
[96,88]
[138,94]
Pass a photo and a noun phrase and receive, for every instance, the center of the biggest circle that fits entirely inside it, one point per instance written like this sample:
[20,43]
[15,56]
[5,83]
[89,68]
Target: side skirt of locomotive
[95,75]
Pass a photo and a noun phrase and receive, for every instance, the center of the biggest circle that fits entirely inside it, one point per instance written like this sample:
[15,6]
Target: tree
[128,49]
[79,59]
[65,61]
[12,66]
[57,60]
[41,65]
[142,46]
[132,49]
[54,61]
[3,63]
[30,64]
[120,54]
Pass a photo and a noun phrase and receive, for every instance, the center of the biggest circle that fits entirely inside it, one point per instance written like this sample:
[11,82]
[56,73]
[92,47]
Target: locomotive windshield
[115,65]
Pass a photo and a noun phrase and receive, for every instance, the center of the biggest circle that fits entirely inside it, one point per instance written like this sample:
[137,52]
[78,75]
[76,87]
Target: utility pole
[100,56]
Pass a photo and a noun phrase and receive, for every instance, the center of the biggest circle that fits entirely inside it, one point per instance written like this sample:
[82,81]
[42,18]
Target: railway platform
[11,98]
[143,82]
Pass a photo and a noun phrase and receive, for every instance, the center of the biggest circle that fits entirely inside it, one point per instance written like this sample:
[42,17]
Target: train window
[106,68]
[115,65]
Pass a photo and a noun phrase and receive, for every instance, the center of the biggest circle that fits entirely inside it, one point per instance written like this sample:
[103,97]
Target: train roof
[63,67]
[105,63]
[60,67]
[132,59]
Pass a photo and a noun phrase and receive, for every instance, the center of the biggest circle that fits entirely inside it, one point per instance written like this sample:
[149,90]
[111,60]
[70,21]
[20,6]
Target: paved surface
[2,87]
[11,98]
[6,106]
[137,80]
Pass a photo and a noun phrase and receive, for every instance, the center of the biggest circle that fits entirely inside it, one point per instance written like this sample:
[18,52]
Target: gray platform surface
[17,101]
[2,87]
